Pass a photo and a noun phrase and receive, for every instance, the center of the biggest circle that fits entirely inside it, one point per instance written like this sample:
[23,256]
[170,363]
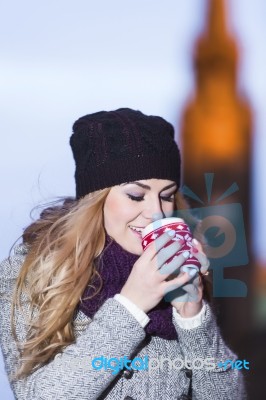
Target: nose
[158,215]
[153,210]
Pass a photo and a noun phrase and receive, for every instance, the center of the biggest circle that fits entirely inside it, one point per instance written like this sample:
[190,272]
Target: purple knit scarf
[114,265]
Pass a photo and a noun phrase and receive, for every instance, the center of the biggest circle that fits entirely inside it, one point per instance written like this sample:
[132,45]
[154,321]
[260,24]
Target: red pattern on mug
[157,228]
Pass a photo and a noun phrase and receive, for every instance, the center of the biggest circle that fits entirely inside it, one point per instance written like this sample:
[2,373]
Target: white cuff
[192,322]
[139,314]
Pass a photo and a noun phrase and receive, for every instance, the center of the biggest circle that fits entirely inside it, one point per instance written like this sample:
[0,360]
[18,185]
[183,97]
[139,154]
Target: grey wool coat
[114,332]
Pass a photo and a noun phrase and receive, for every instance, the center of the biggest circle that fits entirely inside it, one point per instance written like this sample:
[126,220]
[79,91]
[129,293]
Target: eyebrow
[146,186]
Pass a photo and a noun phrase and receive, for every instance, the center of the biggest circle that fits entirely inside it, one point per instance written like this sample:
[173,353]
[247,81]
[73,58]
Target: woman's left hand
[187,300]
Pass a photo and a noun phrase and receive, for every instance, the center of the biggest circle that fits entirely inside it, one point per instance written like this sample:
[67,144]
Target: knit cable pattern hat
[114,147]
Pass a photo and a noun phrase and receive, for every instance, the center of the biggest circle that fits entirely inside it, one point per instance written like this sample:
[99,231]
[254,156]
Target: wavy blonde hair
[63,245]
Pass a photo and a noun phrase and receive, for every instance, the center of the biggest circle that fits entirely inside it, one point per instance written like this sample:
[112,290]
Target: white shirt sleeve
[192,322]
[139,314]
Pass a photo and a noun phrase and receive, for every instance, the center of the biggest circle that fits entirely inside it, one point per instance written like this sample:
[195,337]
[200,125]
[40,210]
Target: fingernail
[194,250]
[186,254]
[195,241]
[171,233]
[192,272]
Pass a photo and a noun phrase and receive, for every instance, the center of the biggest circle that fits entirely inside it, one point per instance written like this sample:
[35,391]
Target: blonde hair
[63,245]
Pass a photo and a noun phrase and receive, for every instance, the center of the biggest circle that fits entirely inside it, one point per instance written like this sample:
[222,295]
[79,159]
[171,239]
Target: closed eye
[141,198]
[135,198]
[168,198]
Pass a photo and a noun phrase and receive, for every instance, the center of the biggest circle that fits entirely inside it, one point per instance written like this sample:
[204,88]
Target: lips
[136,230]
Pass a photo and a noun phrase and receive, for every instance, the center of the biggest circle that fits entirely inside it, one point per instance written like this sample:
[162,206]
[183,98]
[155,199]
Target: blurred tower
[216,138]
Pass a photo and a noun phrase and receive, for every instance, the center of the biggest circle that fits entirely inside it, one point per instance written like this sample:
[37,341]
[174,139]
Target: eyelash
[141,198]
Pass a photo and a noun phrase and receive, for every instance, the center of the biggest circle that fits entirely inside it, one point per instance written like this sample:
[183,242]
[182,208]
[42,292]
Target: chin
[138,251]
[134,248]
[130,243]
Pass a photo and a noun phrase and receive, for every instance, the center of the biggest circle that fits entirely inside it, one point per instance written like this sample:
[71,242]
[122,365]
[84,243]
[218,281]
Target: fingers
[168,252]
[174,264]
[176,283]
[158,245]
[194,289]
[197,281]
[192,292]
[198,253]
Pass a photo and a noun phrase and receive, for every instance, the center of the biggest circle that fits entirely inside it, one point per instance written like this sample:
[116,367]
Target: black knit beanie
[114,147]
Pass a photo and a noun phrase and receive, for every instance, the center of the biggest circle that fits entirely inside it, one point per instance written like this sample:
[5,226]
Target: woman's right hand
[146,284]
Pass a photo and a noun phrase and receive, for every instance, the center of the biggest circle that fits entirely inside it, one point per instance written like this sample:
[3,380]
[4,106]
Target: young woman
[79,291]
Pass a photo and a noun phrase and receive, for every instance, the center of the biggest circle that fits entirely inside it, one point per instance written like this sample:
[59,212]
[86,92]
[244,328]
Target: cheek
[110,211]
[126,212]
[118,211]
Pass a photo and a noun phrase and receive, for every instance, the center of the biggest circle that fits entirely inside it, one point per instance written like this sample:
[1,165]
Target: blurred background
[200,64]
